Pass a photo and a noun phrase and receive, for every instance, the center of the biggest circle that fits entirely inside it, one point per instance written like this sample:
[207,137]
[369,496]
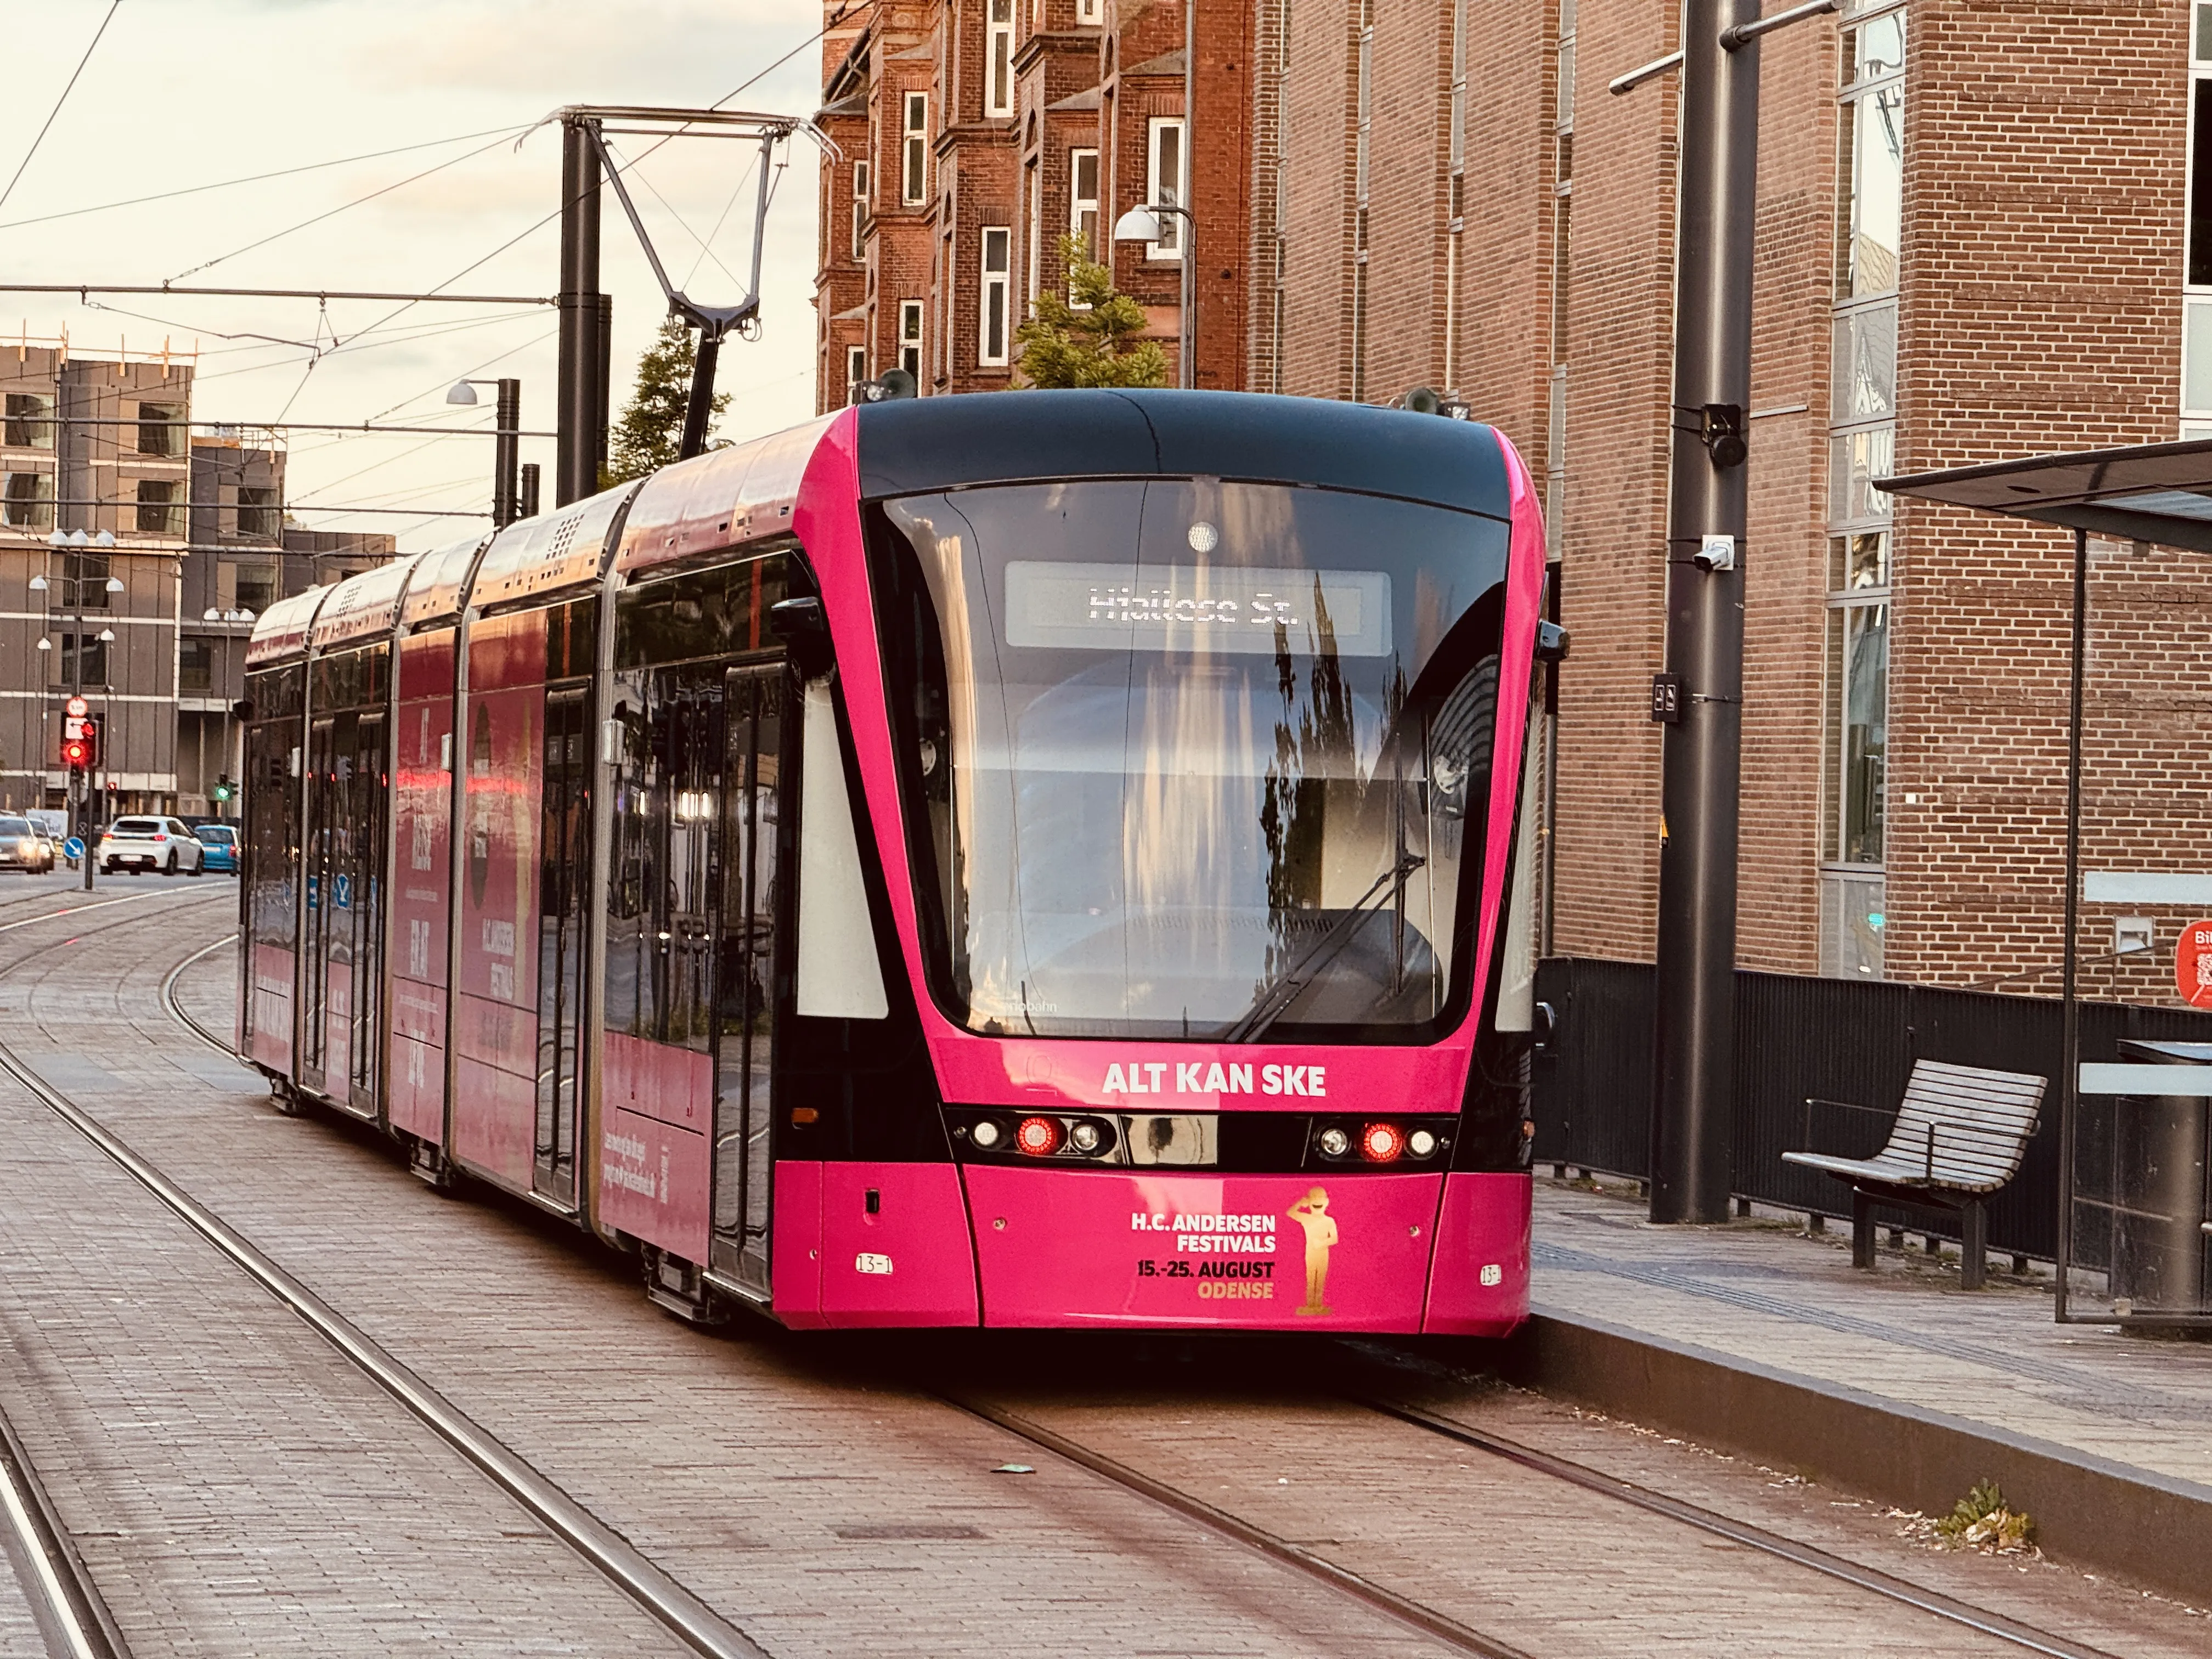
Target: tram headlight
[1039,1137]
[1085,1136]
[1334,1143]
[1381,1143]
[1420,1143]
[986,1135]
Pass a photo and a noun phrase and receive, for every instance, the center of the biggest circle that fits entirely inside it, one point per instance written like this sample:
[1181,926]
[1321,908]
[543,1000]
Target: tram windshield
[1194,759]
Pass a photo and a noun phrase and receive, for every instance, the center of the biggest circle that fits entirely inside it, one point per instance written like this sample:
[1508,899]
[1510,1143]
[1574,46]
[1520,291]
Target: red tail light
[1381,1143]
[1038,1136]
[158,835]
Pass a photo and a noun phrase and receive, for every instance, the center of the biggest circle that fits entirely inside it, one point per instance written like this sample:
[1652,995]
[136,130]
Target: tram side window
[660,929]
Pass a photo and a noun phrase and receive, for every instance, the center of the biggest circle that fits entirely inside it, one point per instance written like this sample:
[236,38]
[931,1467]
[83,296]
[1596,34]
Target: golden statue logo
[1311,1212]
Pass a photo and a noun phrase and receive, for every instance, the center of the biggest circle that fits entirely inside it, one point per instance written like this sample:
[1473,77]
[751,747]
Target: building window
[1083,197]
[30,421]
[1000,90]
[1090,11]
[82,661]
[195,664]
[82,583]
[991,336]
[251,584]
[158,432]
[256,512]
[1167,180]
[856,371]
[1862,446]
[1033,228]
[909,337]
[859,210]
[913,183]
[27,502]
[2196,288]
[157,509]
[1363,128]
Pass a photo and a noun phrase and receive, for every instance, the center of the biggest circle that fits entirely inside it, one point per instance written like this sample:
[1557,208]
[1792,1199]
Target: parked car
[149,843]
[219,847]
[23,847]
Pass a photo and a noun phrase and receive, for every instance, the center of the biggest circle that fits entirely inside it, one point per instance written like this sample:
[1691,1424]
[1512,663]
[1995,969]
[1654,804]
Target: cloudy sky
[181,93]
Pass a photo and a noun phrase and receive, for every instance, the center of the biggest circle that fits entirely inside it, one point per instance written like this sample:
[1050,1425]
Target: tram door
[367,801]
[564,852]
[756,699]
[317,948]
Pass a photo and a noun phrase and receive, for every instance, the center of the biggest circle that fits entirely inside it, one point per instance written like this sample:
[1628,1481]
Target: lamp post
[507,445]
[73,544]
[1141,223]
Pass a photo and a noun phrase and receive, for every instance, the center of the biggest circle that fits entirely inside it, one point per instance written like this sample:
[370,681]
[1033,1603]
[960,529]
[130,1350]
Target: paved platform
[1987,1368]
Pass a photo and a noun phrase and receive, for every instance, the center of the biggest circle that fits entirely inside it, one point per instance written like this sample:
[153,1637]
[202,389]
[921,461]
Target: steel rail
[694,1623]
[70,1607]
[1426,1620]
[1741,1532]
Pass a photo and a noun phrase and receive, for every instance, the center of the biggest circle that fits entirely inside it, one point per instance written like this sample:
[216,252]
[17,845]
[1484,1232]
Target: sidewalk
[1897,1381]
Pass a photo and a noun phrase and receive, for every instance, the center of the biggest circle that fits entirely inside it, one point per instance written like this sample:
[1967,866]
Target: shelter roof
[2158,492]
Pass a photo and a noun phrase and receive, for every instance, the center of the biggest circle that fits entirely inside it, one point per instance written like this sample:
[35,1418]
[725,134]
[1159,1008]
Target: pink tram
[1048,859]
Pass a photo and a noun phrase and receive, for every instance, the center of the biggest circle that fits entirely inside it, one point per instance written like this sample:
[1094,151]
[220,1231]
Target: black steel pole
[603,381]
[506,455]
[528,504]
[576,469]
[1695,1057]
[701,409]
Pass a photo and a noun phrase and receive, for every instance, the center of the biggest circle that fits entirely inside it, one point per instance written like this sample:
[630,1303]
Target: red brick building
[976,133]
[1978,238]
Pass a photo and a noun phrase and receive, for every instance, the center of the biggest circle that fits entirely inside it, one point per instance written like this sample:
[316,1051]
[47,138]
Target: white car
[23,847]
[137,843]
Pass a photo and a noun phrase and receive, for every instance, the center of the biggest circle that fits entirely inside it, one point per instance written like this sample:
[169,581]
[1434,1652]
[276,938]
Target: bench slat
[1981,1121]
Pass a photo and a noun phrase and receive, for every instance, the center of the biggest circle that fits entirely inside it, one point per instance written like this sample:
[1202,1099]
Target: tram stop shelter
[2135,1205]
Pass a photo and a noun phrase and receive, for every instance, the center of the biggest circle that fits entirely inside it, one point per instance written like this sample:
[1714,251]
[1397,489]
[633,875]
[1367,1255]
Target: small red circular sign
[2192,965]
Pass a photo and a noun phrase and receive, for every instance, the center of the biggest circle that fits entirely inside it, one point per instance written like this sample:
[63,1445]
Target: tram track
[68,1607]
[675,1607]
[544,1500]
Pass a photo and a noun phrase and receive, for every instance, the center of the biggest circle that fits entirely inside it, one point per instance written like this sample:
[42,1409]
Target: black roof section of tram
[2158,493]
[914,446]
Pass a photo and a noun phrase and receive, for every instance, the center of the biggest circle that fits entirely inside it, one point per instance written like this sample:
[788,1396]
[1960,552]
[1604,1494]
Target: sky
[181,93]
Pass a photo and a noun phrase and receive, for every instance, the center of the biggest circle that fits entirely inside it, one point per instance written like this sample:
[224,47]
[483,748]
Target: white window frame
[999,57]
[910,314]
[1090,13]
[1079,204]
[2197,299]
[1033,226]
[856,368]
[914,153]
[1161,192]
[993,289]
[859,210]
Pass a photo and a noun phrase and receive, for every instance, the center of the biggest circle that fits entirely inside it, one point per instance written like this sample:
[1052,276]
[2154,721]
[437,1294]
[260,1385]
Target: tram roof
[554,549]
[721,499]
[362,605]
[914,445]
[441,581]
[2158,492]
[282,629]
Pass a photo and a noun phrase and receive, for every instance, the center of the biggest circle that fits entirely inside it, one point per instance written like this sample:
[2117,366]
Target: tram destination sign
[1108,607]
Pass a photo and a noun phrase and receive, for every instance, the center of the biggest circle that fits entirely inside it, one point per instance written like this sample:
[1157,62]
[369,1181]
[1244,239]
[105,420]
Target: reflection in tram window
[1196,758]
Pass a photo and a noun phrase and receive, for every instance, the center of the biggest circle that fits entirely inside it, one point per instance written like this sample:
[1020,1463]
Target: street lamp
[1141,223]
[506,444]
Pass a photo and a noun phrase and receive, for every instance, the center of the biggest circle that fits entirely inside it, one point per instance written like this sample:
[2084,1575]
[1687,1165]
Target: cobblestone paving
[829,1509]
[1763,1292]
[19,1630]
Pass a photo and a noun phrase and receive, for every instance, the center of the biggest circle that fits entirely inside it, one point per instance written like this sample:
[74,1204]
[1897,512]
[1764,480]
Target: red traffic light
[80,747]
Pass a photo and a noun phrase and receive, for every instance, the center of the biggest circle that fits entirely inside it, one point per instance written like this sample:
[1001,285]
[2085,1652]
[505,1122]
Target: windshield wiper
[1277,995]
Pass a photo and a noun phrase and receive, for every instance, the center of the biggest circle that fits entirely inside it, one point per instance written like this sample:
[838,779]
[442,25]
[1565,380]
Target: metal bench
[1959,1134]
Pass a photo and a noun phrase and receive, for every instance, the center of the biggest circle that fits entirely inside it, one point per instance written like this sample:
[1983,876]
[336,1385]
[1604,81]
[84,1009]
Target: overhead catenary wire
[70,87]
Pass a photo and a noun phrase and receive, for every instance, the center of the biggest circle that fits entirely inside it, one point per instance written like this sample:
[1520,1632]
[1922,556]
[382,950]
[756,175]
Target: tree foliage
[1092,342]
[651,429]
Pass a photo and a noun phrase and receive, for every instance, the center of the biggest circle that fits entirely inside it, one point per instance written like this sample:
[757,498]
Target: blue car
[221,841]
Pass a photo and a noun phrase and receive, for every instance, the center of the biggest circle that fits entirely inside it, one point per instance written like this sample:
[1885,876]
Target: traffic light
[224,788]
[81,742]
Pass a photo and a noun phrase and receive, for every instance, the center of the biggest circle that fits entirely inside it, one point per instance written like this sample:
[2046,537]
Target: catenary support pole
[1695,1057]
[507,456]
[577,393]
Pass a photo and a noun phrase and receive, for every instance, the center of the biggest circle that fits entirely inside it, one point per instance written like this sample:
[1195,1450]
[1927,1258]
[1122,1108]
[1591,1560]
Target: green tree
[1090,342]
[651,429]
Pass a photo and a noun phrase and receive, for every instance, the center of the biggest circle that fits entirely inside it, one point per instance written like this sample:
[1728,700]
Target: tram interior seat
[1959,1134]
